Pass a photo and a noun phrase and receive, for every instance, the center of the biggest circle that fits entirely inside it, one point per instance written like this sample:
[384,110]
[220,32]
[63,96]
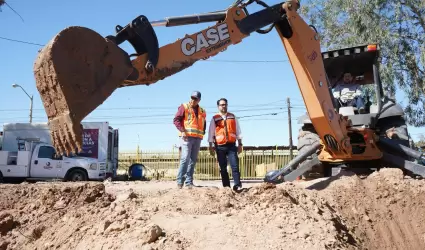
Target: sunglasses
[194,98]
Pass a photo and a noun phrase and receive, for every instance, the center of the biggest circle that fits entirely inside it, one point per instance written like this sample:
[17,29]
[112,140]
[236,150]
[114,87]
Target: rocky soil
[382,211]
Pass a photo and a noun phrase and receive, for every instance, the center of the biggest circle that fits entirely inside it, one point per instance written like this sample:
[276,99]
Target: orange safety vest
[194,125]
[225,130]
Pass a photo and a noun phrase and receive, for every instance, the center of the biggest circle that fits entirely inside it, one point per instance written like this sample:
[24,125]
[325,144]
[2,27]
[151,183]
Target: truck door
[44,164]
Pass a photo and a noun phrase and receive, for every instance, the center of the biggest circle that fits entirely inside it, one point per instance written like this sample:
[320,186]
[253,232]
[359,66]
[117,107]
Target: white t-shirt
[347,91]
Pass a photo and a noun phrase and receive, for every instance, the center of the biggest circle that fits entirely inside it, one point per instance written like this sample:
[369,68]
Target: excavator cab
[383,117]
[381,112]
[360,62]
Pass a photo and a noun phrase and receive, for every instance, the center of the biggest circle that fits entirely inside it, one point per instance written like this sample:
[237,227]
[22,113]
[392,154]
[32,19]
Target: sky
[253,75]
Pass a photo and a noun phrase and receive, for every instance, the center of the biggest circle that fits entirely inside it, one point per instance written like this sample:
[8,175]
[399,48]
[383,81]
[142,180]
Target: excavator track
[75,73]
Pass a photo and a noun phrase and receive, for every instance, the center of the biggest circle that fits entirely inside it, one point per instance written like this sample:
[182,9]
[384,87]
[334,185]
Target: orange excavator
[79,69]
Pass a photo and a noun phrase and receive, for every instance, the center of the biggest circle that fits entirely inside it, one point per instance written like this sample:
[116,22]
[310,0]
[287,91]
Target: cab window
[46,152]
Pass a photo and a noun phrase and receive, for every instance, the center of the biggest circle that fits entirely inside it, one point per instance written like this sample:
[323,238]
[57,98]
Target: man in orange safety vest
[223,133]
[190,121]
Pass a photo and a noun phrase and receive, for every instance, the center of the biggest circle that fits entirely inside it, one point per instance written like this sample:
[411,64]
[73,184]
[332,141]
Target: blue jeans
[359,102]
[188,158]
[356,102]
[224,153]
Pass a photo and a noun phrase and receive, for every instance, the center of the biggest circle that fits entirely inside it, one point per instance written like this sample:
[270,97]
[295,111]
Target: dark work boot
[237,188]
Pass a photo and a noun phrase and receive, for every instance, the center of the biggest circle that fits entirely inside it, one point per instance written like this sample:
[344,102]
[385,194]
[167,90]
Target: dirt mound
[33,212]
[383,211]
[264,217]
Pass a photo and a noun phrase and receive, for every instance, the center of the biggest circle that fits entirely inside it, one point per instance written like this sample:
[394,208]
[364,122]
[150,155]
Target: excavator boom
[233,25]
[79,69]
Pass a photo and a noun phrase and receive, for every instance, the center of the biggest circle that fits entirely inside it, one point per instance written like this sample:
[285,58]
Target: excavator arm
[79,69]
[232,26]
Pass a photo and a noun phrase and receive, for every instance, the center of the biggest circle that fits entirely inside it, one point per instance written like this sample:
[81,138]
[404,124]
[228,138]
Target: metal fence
[254,162]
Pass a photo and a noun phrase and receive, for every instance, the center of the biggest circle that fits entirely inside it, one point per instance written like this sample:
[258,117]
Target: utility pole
[32,100]
[30,96]
[290,127]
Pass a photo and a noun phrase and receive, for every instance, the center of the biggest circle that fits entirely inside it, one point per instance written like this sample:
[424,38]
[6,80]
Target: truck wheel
[1,178]
[77,175]
[306,138]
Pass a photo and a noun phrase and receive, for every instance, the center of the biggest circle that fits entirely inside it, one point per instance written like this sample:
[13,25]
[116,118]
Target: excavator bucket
[75,73]
[79,69]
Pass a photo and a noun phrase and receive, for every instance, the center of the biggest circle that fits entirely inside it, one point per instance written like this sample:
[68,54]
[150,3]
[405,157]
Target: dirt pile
[383,211]
[30,213]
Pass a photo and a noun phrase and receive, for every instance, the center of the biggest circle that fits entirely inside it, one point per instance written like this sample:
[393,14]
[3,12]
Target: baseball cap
[196,94]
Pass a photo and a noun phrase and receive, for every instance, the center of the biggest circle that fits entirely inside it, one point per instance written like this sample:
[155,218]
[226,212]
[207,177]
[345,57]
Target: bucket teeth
[75,73]
[64,134]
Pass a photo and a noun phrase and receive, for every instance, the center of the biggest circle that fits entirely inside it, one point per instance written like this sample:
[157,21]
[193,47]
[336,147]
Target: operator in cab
[349,93]
[224,131]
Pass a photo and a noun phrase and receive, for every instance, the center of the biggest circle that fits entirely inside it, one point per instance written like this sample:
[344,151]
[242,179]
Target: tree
[421,142]
[399,28]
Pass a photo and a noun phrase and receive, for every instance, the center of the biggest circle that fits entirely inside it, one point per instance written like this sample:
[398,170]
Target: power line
[111,118]
[20,41]
[215,60]
[161,122]
[171,108]
[246,116]
[275,113]
[8,5]
[148,115]
[168,122]
[171,124]
[165,118]
[155,116]
[172,115]
[159,108]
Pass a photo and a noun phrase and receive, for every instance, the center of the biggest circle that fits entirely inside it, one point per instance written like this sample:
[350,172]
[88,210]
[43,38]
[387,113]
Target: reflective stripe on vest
[225,129]
[194,125]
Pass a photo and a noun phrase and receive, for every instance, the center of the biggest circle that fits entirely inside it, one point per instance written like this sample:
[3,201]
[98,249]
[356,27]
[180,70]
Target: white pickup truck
[38,160]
